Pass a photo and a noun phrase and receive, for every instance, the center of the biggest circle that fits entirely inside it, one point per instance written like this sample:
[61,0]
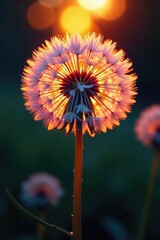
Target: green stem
[77,186]
[151,185]
[34,218]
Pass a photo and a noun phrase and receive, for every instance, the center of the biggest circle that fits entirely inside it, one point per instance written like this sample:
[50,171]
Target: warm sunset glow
[52,3]
[40,16]
[95,28]
[112,9]
[75,19]
[92,4]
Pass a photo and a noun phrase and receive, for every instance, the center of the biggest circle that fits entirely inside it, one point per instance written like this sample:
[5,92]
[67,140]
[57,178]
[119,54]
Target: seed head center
[81,86]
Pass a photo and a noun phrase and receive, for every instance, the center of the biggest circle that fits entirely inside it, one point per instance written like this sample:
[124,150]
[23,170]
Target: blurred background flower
[116,166]
[147,127]
[40,190]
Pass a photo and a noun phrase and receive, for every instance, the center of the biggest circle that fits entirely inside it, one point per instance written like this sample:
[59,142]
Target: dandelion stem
[34,218]
[77,187]
[151,185]
[40,227]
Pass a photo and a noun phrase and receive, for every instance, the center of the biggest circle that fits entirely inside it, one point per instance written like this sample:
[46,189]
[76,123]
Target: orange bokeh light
[40,16]
[92,4]
[112,9]
[52,3]
[95,28]
[75,19]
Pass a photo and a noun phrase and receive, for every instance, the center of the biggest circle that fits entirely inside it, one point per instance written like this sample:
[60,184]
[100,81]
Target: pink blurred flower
[147,127]
[81,78]
[40,190]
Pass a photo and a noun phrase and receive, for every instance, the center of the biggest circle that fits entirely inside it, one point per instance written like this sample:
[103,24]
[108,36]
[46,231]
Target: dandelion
[75,78]
[40,190]
[79,83]
[147,129]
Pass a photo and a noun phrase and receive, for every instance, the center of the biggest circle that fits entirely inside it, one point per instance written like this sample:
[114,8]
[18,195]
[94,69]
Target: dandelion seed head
[79,78]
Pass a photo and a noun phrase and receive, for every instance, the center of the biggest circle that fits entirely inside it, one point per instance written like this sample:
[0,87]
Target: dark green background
[116,166]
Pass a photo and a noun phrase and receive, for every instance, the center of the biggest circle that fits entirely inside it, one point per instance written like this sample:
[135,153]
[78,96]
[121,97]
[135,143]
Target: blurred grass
[116,167]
